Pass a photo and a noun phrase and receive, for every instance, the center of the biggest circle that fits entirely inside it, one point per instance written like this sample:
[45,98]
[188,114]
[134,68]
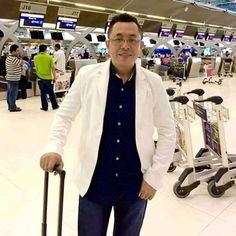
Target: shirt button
[117,174]
[119,123]
[117,158]
[120,106]
[117,140]
[122,89]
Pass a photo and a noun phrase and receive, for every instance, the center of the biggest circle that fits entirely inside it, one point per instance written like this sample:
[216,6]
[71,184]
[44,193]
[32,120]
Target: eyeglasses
[121,41]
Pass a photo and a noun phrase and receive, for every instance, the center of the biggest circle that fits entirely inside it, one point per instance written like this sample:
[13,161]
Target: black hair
[13,48]
[57,45]
[42,48]
[124,18]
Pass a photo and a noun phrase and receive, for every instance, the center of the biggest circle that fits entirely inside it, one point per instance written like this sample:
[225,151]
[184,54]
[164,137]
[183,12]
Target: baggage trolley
[214,118]
[178,71]
[208,77]
[62,174]
[191,177]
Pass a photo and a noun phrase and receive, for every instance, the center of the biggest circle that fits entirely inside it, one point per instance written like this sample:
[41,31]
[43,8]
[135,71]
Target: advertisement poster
[62,83]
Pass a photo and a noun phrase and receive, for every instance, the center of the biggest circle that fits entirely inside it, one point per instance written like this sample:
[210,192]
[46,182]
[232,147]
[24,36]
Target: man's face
[16,53]
[124,44]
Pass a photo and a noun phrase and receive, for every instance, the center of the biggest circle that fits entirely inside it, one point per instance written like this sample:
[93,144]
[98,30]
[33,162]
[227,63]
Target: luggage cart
[208,77]
[227,67]
[178,71]
[203,151]
[199,168]
[214,117]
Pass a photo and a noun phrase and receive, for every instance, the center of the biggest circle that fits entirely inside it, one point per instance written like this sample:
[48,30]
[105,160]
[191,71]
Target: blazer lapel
[141,92]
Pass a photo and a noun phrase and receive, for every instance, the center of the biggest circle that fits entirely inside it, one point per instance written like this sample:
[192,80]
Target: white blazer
[87,98]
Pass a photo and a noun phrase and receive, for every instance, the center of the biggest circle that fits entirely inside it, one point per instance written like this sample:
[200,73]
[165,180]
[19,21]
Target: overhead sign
[34,8]
[68,12]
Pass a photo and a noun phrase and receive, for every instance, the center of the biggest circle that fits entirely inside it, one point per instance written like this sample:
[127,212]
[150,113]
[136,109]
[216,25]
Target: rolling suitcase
[62,174]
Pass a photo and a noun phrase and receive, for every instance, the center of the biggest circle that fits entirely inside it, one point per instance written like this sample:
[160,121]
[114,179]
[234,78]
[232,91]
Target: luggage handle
[62,174]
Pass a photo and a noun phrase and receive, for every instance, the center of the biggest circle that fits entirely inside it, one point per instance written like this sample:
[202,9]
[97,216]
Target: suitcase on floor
[62,174]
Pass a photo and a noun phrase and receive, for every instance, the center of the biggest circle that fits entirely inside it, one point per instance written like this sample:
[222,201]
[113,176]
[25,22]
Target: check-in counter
[193,67]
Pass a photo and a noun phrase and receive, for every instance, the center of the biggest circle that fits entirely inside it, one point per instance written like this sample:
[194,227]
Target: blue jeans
[46,87]
[128,218]
[12,91]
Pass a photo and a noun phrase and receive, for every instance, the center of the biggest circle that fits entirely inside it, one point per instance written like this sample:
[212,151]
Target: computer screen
[178,34]
[56,36]
[101,38]
[164,32]
[210,36]
[199,35]
[31,20]
[35,34]
[233,38]
[226,38]
[64,23]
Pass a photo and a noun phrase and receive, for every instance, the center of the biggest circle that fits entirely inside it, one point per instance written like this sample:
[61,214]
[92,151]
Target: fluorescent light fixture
[120,11]
[217,26]
[55,1]
[181,21]
[197,23]
[90,6]
[157,17]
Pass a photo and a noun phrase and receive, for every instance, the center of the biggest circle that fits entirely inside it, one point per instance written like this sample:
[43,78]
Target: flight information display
[179,34]
[164,32]
[31,20]
[64,23]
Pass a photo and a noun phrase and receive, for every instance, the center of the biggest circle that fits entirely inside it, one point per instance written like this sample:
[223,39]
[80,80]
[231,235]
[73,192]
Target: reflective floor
[22,138]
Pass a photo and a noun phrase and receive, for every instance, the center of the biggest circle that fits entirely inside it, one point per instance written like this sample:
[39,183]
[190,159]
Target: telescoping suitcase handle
[62,174]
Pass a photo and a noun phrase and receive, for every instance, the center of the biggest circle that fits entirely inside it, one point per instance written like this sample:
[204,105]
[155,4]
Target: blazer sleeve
[164,123]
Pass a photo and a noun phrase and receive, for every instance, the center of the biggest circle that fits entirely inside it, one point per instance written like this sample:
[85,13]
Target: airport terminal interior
[191,45]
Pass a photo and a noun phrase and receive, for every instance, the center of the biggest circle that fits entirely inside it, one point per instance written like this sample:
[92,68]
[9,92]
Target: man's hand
[50,160]
[147,192]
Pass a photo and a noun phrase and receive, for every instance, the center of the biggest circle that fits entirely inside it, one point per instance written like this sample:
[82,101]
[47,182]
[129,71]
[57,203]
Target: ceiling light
[120,11]
[157,17]
[90,6]
[55,1]
[181,21]
[197,23]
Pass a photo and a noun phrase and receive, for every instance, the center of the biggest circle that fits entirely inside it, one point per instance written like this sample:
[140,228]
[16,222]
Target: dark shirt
[118,169]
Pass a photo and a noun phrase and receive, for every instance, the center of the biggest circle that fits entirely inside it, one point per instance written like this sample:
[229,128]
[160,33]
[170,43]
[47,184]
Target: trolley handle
[170,91]
[214,99]
[181,99]
[198,92]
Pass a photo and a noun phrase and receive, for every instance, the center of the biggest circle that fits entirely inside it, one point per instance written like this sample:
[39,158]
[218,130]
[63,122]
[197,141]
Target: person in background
[45,71]
[25,76]
[13,68]
[86,54]
[60,58]
[118,166]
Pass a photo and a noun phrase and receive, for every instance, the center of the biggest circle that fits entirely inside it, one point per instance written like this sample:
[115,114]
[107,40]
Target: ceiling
[164,8]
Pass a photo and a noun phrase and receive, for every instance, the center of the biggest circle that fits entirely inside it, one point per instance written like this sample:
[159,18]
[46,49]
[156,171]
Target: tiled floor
[22,138]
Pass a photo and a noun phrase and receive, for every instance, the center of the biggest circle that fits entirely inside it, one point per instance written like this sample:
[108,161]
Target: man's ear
[141,45]
[107,44]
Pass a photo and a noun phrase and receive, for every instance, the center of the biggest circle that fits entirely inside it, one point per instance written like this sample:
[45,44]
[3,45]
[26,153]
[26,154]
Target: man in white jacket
[119,104]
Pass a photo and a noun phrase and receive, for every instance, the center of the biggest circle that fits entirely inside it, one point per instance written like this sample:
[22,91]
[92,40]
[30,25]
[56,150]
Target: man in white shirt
[60,59]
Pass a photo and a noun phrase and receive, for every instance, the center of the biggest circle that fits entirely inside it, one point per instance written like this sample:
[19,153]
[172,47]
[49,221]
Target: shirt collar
[113,73]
